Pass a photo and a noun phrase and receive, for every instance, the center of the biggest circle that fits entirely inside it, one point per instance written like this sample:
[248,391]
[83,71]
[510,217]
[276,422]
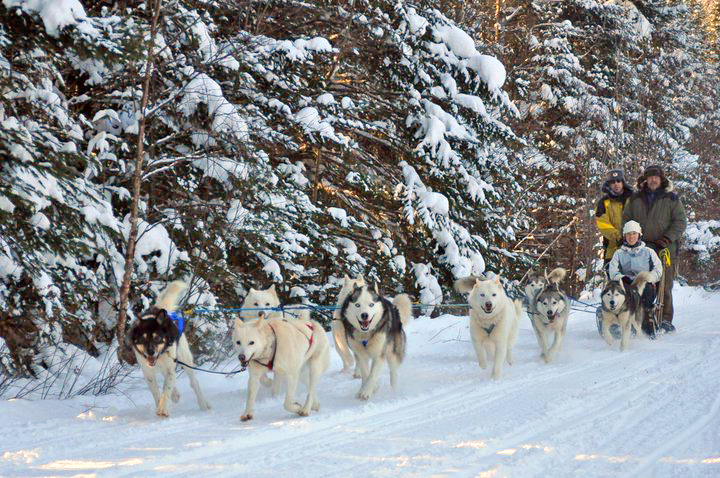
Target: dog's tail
[169,297]
[466,284]
[403,304]
[556,275]
[641,281]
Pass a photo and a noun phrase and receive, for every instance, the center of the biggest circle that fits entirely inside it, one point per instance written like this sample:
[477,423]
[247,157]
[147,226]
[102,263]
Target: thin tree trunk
[124,353]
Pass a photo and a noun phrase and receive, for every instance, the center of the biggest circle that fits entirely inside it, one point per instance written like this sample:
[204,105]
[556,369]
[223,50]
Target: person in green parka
[661,214]
[609,212]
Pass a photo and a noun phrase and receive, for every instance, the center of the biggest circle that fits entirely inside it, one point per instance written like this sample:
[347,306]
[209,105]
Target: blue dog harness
[178,319]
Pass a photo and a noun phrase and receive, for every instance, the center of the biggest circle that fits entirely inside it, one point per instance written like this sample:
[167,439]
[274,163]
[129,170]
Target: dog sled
[656,318]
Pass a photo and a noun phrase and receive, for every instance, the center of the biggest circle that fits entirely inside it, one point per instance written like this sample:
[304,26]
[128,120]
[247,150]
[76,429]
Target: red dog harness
[269,365]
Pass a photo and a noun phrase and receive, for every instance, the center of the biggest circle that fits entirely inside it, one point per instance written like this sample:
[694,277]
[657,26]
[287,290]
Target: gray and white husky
[158,344]
[374,327]
[548,310]
[338,329]
[617,309]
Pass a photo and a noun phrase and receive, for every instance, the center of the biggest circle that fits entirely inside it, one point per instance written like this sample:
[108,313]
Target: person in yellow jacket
[609,212]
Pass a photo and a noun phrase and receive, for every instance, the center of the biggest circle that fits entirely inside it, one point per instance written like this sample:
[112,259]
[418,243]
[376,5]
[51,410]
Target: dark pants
[669,274]
[668,279]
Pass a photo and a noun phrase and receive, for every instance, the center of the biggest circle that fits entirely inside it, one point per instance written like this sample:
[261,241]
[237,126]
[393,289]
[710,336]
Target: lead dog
[338,329]
[374,327]
[284,347]
[494,320]
[615,309]
[549,311]
[158,344]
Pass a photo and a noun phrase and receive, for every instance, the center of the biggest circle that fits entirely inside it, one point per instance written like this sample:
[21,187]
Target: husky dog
[616,310]
[338,329]
[284,347]
[494,319]
[535,283]
[549,310]
[158,344]
[374,327]
[265,304]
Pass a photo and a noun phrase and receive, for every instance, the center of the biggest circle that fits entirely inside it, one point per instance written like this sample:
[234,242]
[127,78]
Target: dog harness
[178,319]
[269,365]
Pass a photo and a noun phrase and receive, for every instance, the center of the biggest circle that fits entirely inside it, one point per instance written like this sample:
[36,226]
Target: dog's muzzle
[365,321]
[244,361]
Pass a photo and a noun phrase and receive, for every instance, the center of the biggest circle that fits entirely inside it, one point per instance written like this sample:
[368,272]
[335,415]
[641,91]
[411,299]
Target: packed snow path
[653,410]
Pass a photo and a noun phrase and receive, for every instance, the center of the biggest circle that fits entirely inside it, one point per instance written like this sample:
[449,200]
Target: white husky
[158,344]
[494,320]
[549,311]
[284,347]
[265,304]
[338,329]
[374,329]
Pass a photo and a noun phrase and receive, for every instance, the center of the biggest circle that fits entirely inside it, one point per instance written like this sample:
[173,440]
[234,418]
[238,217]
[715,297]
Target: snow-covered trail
[653,410]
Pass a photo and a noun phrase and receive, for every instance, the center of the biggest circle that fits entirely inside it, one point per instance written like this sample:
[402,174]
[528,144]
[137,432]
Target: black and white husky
[375,333]
[617,309]
[549,310]
[158,344]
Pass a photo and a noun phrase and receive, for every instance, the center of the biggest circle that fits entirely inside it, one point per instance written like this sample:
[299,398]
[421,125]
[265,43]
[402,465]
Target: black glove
[663,242]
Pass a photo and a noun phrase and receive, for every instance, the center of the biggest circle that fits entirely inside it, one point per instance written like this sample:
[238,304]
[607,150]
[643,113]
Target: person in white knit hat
[629,260]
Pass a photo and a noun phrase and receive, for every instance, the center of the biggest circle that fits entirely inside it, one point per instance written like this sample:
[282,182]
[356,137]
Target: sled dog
[535,283]
[374,327]
[265,304]
[158,343]
[338,329]
[616,309]
[494,320]
[285,347]
[549,311]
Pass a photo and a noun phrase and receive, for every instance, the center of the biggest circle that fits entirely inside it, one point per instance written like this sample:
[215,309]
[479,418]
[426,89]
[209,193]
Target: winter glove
[664,242]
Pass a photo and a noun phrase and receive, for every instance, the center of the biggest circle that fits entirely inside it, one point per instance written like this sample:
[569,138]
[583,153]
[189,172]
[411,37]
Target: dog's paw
[175,395]
[162,412]
[205,406]
[303,413]
[246,417]
[364,394]
[316,406]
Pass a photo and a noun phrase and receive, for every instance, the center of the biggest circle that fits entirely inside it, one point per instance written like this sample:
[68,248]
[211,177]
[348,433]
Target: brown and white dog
[158,345]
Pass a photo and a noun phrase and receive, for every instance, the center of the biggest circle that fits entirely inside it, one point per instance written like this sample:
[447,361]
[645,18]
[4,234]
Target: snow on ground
[652,411]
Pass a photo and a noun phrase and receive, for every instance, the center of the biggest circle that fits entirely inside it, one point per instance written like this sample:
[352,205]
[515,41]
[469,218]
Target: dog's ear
[239,323]
[161,316]
[272,288]
[375,288]
[497,279]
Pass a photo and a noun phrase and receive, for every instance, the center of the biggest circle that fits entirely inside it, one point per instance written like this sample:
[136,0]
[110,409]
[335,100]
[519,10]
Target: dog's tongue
[365,323]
